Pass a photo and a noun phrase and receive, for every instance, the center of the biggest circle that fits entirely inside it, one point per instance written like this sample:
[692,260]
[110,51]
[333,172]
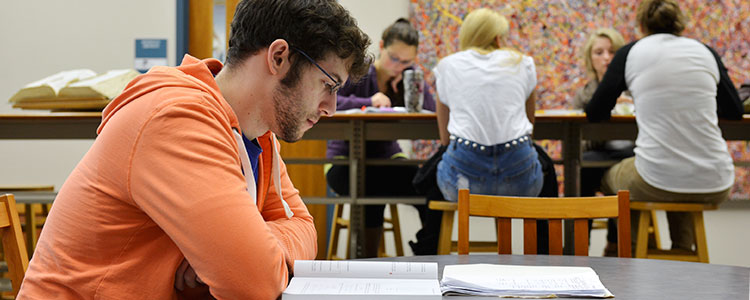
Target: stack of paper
[522,281]
[363,280]
[380,110]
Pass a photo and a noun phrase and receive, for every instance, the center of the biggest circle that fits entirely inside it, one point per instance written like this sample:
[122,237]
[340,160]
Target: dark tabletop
[626,278]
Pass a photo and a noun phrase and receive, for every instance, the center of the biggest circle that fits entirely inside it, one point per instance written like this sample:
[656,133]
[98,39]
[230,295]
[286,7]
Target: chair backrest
[14,247]
[580,209]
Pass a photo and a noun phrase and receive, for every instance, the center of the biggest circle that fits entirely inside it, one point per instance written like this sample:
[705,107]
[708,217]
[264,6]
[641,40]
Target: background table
[626,278]
[359,128]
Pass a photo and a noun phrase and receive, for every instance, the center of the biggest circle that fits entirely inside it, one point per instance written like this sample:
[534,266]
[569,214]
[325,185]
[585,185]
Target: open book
[74,89]
[522,281]
[318,279]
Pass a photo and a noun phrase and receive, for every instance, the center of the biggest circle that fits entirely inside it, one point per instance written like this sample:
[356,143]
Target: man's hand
[185,275]
[380,100]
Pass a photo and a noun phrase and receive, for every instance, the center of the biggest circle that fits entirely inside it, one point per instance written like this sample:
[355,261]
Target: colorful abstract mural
[553,33]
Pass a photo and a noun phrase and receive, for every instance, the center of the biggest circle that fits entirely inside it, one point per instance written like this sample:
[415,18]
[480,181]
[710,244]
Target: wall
[374,16]
[41,38]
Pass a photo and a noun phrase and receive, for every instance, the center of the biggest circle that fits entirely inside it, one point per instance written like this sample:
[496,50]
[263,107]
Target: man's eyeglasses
[336,84]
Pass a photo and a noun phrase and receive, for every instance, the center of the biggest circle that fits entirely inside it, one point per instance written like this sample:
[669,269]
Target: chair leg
[701,247]
[446,233]
[641,244]
[381,246]
[396,227]
[654,230]
[30,228]
[336,226]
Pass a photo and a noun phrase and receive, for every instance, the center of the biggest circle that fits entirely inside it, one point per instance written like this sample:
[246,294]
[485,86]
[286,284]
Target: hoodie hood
[199,75]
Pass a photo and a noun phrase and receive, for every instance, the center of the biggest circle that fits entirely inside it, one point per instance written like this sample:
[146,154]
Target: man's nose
[328,106]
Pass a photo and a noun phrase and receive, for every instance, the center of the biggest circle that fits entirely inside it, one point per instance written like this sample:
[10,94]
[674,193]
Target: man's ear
[277,57]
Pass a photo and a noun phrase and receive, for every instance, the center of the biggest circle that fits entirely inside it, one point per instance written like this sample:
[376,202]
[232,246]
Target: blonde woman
[485,113]
[598,52]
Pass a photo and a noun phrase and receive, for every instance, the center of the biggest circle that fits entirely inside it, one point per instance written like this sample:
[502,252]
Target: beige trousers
[624,176]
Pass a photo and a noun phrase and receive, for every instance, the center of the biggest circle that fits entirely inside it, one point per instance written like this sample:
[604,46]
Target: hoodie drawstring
[250,178]
[276,173]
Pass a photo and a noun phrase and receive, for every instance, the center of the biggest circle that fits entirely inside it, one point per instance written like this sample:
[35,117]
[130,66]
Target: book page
[59,80]
[365,269]
[103,77]
[523,280]
[48,87]
[362,286]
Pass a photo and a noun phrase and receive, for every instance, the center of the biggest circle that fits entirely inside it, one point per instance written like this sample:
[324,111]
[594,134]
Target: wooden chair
[12,240]
[555,209]
[34,214]
[446,244]
[340,223]
[647,221]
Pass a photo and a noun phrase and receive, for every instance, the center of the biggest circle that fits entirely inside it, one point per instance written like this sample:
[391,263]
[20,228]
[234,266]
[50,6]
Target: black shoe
[421,248]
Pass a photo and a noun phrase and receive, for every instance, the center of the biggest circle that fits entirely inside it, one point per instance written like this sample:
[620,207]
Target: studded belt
[497,148]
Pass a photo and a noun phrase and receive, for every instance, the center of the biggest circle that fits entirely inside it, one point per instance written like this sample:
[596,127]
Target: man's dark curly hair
[318,27]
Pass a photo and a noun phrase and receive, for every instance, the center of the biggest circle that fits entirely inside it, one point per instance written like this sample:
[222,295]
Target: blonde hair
[660,16]
[614,37]
[479,30]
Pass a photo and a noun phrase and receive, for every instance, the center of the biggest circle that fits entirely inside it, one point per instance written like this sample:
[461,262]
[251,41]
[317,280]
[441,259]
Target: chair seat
[672,206]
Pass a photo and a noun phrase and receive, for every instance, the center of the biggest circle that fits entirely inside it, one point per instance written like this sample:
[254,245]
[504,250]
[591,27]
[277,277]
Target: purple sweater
[358,95]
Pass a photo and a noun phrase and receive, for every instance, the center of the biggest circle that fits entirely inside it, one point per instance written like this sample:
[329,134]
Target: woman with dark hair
[680,89]
[382,86]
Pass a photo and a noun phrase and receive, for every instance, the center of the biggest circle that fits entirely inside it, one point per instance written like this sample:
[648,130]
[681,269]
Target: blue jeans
[508,169]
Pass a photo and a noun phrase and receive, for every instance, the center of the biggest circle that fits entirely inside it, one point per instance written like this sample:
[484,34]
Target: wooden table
[359,128]
[626,278]
[569,129]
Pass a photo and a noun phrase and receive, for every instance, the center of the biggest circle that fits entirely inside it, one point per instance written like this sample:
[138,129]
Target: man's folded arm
[188,181]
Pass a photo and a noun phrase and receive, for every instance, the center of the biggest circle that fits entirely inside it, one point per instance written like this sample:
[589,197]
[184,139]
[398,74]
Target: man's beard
[289,114]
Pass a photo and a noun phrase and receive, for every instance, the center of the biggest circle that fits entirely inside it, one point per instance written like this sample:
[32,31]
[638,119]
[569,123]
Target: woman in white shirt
[680,89]
[485,112]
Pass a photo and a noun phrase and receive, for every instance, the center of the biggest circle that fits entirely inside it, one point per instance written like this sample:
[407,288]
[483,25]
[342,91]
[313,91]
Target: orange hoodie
[163,181]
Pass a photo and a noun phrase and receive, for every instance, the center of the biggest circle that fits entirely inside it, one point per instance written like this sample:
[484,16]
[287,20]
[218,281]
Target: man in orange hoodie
[185,179]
